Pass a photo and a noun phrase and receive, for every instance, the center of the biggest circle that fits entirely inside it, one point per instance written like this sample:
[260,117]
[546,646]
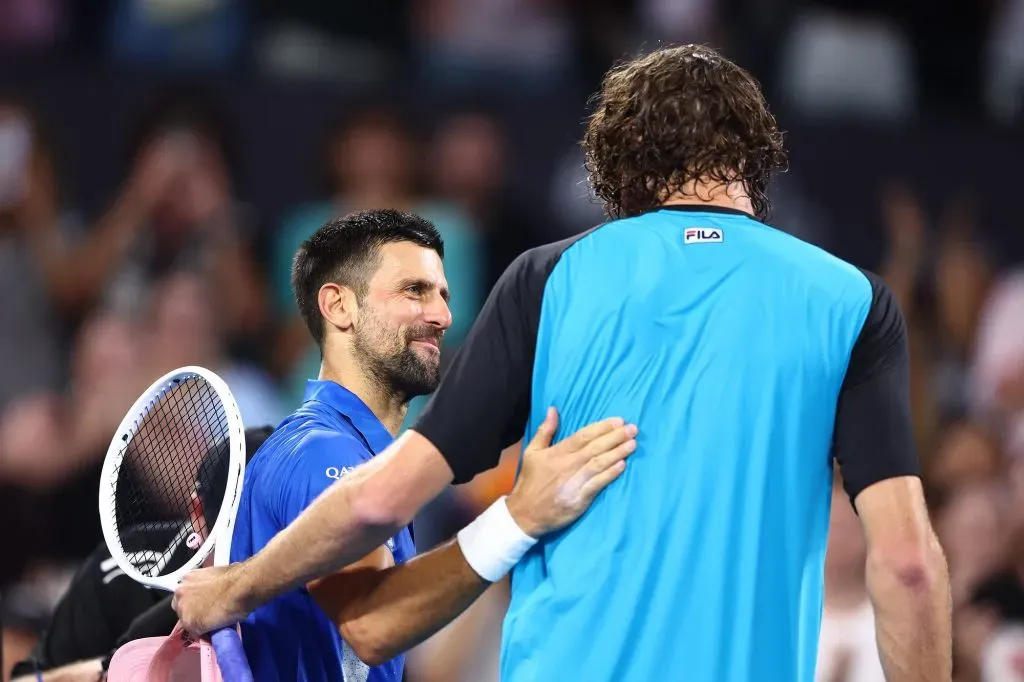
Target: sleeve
[874,437]
[325,458]
[482,403]
[98,606]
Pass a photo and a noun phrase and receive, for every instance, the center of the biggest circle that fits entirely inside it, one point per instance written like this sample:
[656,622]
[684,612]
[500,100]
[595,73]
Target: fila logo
[702,235]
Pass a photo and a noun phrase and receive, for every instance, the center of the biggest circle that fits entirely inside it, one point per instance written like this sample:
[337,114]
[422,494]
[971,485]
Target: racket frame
[218,539]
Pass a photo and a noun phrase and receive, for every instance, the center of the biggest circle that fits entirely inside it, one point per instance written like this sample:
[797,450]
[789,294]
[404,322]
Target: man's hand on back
[558,483]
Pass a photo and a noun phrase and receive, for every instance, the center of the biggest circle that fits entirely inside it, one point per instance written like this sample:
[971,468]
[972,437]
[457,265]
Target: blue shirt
[749,360]
[290,638]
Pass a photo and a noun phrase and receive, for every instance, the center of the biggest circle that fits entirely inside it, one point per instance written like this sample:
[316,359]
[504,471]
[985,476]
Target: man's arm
[480,407]
[906,572]
[156,621]
[908,582]
[568,476]
[338,528]
[99,604]
[346,523]
[382,610]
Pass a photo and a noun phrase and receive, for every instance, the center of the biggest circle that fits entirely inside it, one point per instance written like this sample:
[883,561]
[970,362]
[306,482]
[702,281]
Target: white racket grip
[493,543]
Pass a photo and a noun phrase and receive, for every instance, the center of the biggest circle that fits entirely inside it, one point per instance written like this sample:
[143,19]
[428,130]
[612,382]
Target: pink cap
[175,658]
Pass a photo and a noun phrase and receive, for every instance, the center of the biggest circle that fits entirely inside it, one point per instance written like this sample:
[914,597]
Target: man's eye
[415,289]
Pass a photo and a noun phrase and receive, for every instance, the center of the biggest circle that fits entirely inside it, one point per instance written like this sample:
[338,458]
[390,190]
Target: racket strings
[172,476]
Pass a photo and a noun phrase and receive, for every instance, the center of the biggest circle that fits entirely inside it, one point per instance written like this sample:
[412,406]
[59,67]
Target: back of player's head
[674,116]
[346,251]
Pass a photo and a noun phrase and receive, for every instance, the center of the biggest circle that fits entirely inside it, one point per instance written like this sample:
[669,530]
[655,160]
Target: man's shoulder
[304,443]
[308,430]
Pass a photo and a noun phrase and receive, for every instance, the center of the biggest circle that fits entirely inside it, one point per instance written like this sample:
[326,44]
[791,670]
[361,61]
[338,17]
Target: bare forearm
[348,521]
[406,604]
[327,536]
[913,620]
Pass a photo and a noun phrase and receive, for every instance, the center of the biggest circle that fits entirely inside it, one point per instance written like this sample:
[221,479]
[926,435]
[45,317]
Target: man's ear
[337,305]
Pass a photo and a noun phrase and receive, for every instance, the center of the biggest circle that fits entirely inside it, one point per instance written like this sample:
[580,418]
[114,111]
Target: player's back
[727,342]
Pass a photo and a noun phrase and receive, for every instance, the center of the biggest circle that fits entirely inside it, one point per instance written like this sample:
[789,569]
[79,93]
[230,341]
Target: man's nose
[438,313]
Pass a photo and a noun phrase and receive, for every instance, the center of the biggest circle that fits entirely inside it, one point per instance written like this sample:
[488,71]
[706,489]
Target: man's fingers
[584,436]
[607,459]
[608,442]
[599,482]
[546,431]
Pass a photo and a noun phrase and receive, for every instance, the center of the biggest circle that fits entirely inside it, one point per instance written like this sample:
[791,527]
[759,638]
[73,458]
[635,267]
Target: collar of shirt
[353,410]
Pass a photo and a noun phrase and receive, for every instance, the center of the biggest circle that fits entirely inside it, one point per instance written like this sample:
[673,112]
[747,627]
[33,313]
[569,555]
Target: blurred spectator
[372,161]
[177,33]
[941,284]
[30,331]
[51,451]
[30,24]
[998,373]
[847,62]
[963,276]
[177,212]
[353,42]
[972,529]
[967,455]
[847,650]
[45,257]
[904,259]
[184,330]
[47,438]
[501,45]
[1004,77]
[1000,598]
[468,167]
[678,21]
[905,226]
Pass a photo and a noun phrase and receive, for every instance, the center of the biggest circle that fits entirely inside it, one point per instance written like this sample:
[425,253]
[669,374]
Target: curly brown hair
[674,116]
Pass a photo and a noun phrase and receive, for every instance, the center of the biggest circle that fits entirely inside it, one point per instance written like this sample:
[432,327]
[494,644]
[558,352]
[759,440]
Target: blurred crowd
[177,268]
[966,324]
[883,59]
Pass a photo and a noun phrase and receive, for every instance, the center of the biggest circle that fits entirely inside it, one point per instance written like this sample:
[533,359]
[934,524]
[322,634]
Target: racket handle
[234,667]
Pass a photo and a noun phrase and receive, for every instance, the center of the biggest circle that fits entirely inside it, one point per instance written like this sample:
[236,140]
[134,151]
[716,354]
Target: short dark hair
[677,115]
[346,251]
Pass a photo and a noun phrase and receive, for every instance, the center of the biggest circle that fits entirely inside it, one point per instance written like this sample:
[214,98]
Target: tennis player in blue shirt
[750,360]
[371,288]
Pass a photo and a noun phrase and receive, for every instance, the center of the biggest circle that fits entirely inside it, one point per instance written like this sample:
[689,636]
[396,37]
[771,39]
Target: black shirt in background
[94,615]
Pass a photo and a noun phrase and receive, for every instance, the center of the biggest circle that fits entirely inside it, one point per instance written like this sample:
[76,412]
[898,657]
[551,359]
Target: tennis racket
[170,487]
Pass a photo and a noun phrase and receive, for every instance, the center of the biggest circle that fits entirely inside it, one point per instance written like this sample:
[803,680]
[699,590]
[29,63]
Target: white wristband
[494,543]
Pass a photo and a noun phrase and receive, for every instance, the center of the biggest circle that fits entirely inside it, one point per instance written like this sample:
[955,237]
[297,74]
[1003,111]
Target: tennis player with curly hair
[750,361]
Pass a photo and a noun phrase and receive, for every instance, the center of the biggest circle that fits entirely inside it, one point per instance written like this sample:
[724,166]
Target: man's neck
[732,195]
[389,409]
